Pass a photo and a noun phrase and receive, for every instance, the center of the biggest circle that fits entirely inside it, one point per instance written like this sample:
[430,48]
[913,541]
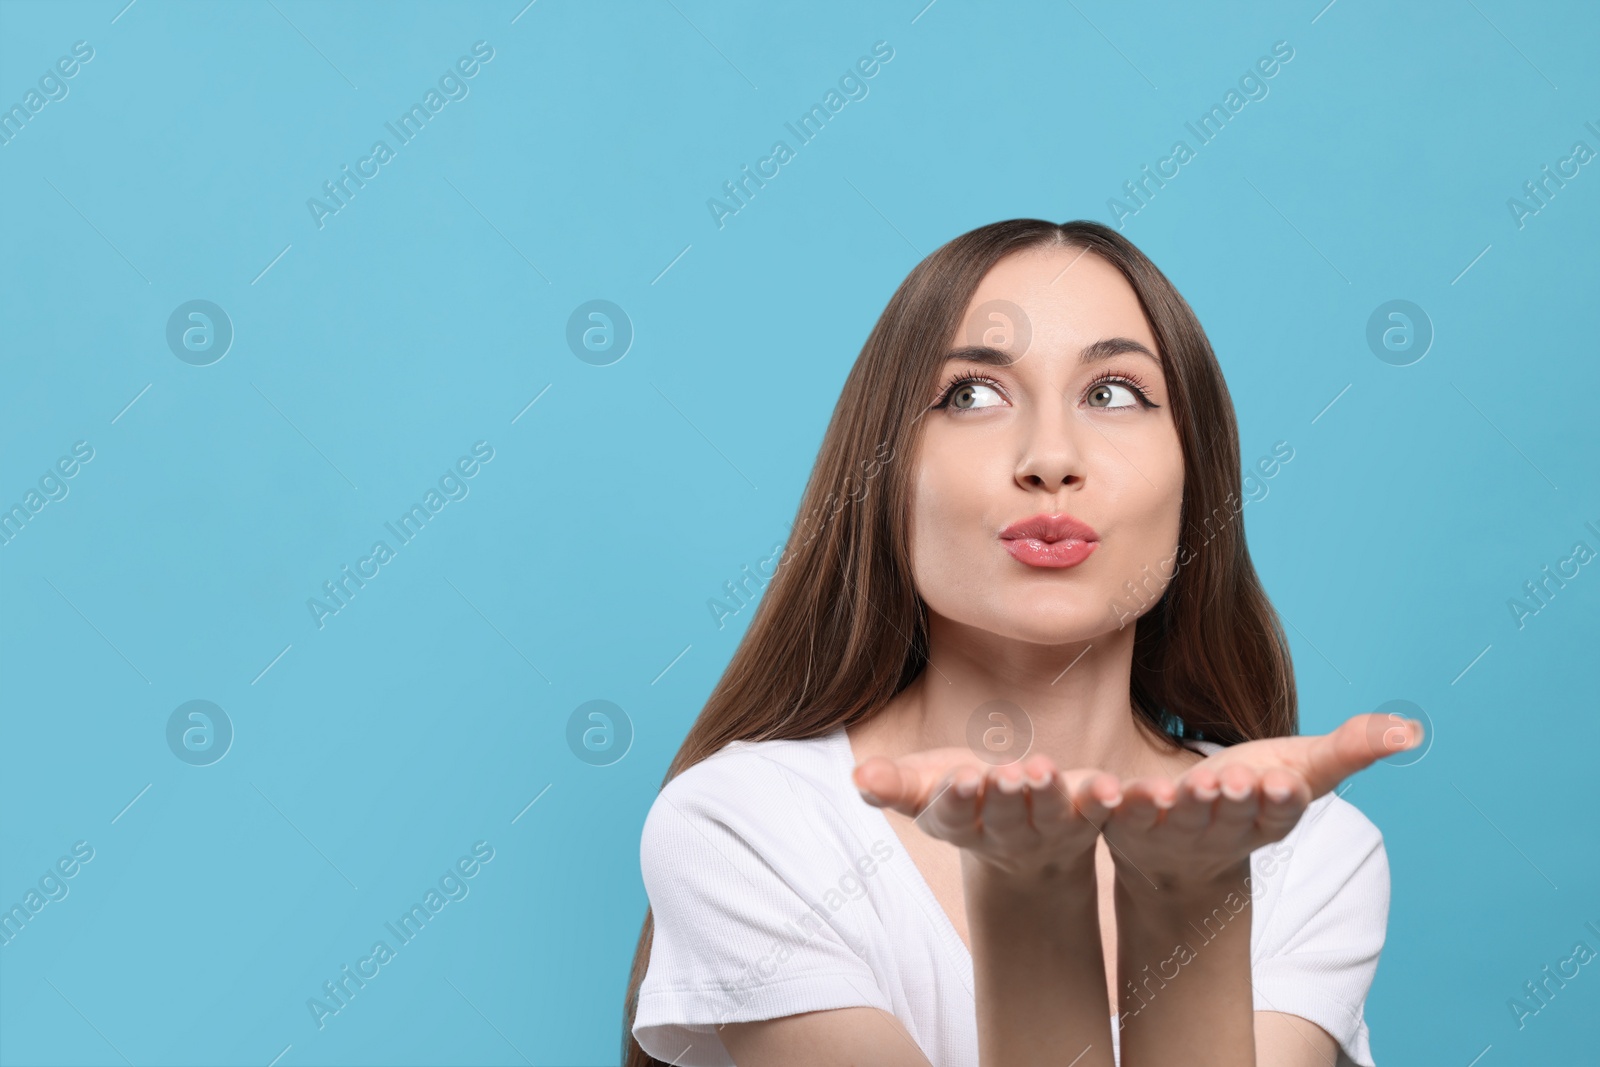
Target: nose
[1050,456]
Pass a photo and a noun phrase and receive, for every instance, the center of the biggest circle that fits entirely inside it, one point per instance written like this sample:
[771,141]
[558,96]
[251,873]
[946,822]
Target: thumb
[1359,742]
[883,783]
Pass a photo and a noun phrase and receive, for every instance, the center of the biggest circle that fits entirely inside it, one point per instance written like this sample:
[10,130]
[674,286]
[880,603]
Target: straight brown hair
[840,629]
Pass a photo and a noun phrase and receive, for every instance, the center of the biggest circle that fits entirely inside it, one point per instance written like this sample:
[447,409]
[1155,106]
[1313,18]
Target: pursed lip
[1049,529]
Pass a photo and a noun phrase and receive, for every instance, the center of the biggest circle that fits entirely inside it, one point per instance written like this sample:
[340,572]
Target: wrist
[1182,890]
[993,878]
[1031,919]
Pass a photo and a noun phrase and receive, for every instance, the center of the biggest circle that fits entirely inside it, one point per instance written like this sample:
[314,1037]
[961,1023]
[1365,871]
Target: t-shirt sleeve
[723,855]
[1318,950]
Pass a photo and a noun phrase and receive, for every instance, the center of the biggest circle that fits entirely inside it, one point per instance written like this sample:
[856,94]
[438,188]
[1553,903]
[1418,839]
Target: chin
[1057,618]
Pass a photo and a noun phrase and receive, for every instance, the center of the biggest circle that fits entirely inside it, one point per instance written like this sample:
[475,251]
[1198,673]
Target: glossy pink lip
[1050,541]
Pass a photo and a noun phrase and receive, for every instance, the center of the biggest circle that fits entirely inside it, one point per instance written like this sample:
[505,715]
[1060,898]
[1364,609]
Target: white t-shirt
[776,890]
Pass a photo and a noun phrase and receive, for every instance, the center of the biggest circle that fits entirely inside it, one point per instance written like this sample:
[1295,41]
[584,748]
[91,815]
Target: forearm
[1183,973]
[1038,967]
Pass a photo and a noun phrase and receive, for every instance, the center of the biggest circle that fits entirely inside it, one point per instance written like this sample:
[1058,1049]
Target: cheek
[1137,492]
[1147,543]
[951,505]
[952,489]
[1148,470]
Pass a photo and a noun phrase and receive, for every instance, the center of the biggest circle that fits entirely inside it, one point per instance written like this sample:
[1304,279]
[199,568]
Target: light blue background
[429,312]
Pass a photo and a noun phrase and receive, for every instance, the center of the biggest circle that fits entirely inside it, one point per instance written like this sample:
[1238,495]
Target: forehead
[1066,298]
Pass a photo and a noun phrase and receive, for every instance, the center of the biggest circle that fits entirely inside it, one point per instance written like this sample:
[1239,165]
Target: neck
[1074,697]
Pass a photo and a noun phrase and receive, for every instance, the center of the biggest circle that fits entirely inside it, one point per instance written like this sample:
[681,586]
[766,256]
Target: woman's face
[1053,424]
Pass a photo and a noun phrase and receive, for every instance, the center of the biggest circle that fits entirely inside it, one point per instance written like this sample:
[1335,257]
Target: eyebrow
[1098,352]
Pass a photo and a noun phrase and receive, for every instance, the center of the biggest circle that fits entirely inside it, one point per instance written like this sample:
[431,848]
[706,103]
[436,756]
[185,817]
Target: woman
[946,804]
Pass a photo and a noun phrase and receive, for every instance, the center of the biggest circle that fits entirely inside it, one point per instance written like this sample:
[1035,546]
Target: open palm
[1025,817]
[1200,829]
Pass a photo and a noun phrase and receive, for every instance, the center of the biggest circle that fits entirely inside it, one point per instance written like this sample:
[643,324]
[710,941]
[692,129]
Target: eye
[1117,391]
[968,393]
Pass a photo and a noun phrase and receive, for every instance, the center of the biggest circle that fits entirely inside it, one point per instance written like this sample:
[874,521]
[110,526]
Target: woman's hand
[1199,831]
[1025,818]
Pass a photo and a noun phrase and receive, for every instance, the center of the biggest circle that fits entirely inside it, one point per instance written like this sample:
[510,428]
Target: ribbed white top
[776,889]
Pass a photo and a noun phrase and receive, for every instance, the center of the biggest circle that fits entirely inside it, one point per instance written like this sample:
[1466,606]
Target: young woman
[1004,770]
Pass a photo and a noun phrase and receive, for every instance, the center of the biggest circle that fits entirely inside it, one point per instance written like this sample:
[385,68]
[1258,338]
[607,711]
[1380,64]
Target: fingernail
[966,787]
[1039,781]
[1277,794]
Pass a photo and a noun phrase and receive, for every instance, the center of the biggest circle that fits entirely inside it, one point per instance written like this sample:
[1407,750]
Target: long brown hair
[840,629]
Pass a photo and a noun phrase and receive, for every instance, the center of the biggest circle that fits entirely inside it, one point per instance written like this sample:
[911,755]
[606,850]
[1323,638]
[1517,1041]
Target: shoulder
[741,857]
[1324,888]
[729,779]
[1333,823]
[770,797]
[1324,921]
[1334,851]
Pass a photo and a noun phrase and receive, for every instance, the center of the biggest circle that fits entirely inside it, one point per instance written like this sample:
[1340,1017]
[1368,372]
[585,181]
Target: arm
[849,1037]
[1027,865]
[1183,967]
[1285,1040]
[1027,836]
[1183,894]
[1038,965]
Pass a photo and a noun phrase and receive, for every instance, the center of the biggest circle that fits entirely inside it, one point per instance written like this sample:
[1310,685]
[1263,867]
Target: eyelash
[1126,378]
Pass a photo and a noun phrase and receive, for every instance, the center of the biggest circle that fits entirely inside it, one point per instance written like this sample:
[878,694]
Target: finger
[1390,732]
[1143,802]
[1064,803]
[883,783]
[952,815]
[1049,802]
[1360,741]
[1095,797]
[1239,803]
[1284,797]
[1197,793]
[1004,815]
[907,784]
